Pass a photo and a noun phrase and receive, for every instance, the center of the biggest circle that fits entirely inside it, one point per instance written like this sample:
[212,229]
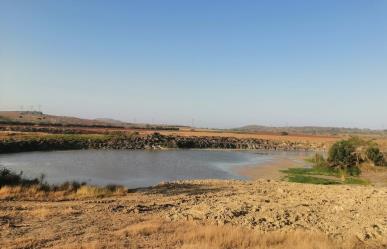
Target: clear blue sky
[221,63]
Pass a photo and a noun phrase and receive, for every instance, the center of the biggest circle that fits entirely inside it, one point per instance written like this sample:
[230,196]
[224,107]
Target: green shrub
[349,154]
[353,171]
[343,154]
[10,178]
[373,153]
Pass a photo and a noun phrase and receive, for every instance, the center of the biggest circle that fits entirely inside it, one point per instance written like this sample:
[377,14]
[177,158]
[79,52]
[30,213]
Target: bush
[354,151]
[343,154]
[10,178]
[353,171]
[373,153]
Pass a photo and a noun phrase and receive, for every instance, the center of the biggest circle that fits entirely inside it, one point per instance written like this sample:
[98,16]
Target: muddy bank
[151,141]
[272,170]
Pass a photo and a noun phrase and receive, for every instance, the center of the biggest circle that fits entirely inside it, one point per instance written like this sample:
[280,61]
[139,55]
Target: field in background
[319,139]
[25,124]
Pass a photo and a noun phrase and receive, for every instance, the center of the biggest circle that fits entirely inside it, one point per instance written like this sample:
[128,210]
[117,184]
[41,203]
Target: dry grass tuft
[33,191]
[93,191]
[40,212]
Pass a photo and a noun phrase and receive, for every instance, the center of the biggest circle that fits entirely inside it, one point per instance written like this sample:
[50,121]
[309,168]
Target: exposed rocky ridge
[153,141]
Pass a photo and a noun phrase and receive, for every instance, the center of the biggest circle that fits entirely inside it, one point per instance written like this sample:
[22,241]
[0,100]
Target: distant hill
[312,130]
[38,118]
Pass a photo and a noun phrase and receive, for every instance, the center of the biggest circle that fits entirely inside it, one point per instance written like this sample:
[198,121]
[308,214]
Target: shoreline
[271,170]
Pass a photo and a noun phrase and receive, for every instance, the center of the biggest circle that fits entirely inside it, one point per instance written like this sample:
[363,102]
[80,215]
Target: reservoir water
[132,168]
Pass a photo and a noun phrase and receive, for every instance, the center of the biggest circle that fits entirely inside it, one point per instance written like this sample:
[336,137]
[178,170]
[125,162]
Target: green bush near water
[342,154]
[344,160]
[10,178]
[376,156]
[7,177]
[353,152]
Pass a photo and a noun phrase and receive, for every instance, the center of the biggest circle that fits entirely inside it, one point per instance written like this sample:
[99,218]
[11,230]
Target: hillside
[39,118]
[312,130]
[34,117]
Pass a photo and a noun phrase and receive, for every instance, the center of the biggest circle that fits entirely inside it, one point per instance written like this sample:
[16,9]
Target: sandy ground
[378,177]
[343,213]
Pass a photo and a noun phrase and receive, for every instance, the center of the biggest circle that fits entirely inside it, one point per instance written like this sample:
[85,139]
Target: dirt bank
[345,214]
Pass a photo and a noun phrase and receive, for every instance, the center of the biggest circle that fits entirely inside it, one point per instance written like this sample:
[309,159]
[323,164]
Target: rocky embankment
[153,141]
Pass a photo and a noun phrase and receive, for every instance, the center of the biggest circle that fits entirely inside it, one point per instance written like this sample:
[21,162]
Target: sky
[218,63]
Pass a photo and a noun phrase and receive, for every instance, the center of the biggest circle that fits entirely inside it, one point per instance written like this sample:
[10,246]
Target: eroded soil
[340,212]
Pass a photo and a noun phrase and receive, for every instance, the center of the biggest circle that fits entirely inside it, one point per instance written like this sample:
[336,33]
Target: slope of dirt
[343,213]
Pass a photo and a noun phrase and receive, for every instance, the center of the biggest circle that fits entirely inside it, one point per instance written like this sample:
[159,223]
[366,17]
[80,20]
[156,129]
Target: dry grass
[35,192]
[161,234]
[93,191]
[188,235]
[137,220]
[376,175]
[41,213]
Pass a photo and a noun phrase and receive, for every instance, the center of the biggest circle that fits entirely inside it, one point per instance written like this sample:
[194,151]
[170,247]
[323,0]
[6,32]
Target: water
[132,168]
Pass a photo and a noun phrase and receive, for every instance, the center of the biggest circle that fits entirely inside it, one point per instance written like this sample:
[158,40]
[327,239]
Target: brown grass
[34,192]
[188,235]
[42,212]
[93,191]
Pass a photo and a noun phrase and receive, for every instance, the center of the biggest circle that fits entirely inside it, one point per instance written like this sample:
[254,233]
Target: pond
[133,168]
